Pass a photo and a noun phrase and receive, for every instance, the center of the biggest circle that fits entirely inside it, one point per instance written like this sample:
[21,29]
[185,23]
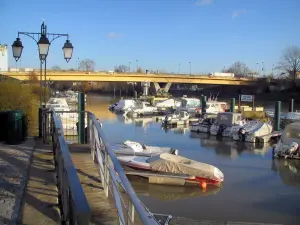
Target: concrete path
[14,164]
[28,193]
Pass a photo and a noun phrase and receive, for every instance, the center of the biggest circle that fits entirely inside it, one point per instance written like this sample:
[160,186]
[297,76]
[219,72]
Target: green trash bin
[14,125]
[3,125]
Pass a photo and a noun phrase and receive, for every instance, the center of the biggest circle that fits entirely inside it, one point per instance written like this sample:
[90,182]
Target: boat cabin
[291,134]
[228,119]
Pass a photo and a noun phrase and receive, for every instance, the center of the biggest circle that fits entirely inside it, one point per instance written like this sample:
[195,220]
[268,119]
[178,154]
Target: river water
[256,188]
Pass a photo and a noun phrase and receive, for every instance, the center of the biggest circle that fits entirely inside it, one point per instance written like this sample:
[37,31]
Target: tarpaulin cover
[177,164]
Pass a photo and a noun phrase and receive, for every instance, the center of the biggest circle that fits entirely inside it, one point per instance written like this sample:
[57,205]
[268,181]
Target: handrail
[73,202]
[145,215]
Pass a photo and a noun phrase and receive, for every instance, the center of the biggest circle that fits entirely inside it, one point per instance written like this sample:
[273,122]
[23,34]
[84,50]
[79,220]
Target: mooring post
[232,105]
[277,115]
[291,106]
[81,125]
[135,94]
[203,104]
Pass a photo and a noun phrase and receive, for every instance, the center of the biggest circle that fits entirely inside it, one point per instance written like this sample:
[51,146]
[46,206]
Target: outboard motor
[221,129]
[242,134]
[166,120]
[294,148]
[174,151]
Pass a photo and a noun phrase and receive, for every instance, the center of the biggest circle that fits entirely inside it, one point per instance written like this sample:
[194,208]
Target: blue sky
[160,34]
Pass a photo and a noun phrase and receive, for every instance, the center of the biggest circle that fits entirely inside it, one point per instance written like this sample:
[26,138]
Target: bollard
[291,106]
[277,115]
[232,105]
[135,94]
[203,104]
[81,117]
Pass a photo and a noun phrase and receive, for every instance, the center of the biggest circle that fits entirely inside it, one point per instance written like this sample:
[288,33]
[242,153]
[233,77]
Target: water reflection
[179,129]
[226,147]
[169,193]
[289,171]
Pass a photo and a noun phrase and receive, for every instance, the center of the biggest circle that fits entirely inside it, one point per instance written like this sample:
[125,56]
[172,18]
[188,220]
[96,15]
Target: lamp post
[179,68]
[137,65]
[190,68]
[42,40]
[129,67]
[263,68]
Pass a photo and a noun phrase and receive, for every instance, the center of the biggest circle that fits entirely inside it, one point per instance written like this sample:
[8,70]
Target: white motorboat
[212,107]
[288,145]
[254,131]
[58,104]
[189,105]
[226,123]
[167,104]
[136,148]
[203,125]
[181,118]
[141,109]
[172,169]
[125,105]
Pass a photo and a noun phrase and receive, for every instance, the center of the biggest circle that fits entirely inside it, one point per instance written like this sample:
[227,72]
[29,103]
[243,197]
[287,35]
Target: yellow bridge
[130,77]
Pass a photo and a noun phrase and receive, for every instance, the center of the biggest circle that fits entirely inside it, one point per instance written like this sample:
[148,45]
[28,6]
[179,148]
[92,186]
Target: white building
[3,58]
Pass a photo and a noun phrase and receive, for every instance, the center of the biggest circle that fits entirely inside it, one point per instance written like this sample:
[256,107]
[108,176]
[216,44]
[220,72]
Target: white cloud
[113,35]
[203,2]
[238,13]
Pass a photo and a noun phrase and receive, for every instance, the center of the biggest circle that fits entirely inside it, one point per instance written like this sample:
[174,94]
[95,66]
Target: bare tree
[57,68]
[290,62]
[240,69]
[121,69]
[87,65]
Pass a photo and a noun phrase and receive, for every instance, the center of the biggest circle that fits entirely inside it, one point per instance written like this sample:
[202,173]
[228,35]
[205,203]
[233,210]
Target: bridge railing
[73,203]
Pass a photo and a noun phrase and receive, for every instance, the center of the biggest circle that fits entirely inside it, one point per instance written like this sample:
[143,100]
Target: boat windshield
[224,118]
[291,134]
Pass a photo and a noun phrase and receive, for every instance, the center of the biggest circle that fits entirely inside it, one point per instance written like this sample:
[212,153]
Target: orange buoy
[203,184]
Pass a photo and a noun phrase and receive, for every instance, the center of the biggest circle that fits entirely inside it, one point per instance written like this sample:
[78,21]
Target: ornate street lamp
[68,50]
[43,42]
[17,49]
[43,45]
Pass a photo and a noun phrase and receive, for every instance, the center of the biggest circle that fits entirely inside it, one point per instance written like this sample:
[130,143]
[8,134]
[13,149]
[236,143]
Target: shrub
[15,96]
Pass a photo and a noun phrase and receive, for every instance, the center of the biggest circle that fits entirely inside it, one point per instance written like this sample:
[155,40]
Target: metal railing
[114,178]
[130,209]
[73,203]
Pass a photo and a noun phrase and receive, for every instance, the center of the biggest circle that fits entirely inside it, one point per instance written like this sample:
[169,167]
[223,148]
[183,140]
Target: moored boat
[172,169]
[136,148]
[288,145]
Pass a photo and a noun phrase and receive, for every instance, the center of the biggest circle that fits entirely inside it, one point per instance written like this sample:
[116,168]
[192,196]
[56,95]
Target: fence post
[203,104]
[81,117]
[291,105]
[277,115]
[232,105]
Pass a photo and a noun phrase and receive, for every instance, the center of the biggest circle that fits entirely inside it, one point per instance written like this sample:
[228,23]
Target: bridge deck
[103,210]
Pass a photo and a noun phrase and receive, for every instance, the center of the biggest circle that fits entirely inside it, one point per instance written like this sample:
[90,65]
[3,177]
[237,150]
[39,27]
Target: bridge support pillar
[145,86]
[165,89]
